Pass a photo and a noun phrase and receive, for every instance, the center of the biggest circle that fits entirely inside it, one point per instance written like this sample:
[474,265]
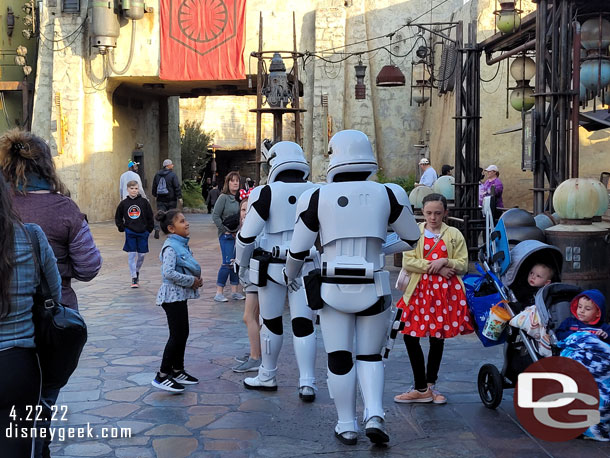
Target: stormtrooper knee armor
[351,215]
[271,216]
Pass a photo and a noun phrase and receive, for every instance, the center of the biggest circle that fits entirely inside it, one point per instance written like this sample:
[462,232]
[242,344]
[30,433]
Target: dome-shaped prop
[577,198]
[445,185]
[417,195]
[603,197]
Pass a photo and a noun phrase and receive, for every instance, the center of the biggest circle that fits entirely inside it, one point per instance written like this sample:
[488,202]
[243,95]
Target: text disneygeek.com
[61,433]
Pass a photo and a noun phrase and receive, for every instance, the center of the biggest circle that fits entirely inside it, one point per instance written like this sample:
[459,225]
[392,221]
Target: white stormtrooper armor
[271,216]
[351,216]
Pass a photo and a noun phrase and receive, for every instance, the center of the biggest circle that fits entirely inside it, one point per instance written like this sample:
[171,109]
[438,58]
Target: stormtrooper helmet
[350,151]
[286,156]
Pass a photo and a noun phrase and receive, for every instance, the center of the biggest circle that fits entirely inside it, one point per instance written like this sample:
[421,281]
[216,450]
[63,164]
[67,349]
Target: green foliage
[408,182]
[191,194]
[194,143]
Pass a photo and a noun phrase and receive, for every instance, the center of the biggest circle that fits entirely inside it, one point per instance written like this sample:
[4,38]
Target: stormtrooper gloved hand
[293,284]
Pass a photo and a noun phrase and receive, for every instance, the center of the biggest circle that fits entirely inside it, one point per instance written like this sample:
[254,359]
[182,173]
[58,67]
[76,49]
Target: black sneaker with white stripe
[184,378]
[167,383]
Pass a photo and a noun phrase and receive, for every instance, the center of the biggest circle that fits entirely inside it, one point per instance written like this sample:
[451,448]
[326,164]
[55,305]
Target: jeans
[48,398]
[178,322]
[227,249]
[19,394]
[165,206]
[423,374]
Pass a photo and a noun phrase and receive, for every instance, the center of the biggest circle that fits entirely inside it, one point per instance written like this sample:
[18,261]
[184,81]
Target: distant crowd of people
[490,185]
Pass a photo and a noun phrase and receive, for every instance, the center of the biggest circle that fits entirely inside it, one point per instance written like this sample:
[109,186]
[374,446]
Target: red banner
[202,39]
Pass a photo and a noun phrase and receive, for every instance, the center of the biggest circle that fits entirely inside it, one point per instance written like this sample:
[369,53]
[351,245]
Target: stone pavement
[219,418]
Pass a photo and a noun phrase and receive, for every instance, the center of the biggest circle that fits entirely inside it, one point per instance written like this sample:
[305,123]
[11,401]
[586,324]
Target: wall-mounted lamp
[522,70]
[360,86]
[508,18]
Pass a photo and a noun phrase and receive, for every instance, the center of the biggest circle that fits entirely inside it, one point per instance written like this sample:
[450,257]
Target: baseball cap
[167,162]
[446,169]
[492,168]
[424,160]
[132,163]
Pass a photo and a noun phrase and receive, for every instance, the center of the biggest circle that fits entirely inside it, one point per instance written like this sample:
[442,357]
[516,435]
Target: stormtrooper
[351,216]
[270,221]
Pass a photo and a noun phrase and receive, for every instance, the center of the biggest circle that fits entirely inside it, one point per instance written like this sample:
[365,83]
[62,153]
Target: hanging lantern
[595,67]
[595,34]
[422,89]
[360,86]
[595,73]
[390,75]
[522,69]
[509,18]
[522,98]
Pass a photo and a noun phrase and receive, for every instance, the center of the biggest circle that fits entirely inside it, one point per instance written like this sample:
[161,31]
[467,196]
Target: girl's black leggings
[178,321]
[422,374]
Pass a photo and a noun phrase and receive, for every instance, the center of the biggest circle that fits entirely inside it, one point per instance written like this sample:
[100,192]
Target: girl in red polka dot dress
[434,303]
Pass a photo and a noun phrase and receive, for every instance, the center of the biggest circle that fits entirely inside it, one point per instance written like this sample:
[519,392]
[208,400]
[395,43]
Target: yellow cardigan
[413,261]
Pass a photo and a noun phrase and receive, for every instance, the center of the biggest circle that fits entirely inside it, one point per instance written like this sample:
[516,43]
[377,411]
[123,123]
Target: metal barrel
[586,255]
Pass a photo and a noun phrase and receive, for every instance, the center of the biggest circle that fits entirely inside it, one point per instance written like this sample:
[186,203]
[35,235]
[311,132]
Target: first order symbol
[202,20]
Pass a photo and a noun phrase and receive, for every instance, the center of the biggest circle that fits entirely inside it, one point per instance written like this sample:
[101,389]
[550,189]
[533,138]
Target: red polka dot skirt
[437,307]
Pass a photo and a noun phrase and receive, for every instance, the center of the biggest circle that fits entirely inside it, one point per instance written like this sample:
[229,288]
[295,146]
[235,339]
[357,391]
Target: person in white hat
[492,185]
[428,176]
[131,174]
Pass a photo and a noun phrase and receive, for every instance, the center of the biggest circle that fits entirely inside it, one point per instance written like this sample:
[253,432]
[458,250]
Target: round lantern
[509,19]
[590,34]
[522,98]
[418,194]
[576,198]
[523,68]
[445,185]
[595,74]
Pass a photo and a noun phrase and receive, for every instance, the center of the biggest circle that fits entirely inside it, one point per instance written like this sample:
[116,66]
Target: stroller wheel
[490,386]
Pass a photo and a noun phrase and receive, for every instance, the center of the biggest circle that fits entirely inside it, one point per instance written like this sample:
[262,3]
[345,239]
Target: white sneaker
[220,298]
[255,383]
[238,297]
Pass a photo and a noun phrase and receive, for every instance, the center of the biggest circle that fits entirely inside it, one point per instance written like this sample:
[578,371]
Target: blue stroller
[506,281]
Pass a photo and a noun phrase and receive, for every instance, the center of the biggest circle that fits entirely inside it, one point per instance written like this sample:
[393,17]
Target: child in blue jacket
[588,310]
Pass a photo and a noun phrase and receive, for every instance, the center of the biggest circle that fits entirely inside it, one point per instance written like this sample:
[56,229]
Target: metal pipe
[564,60]
[259,100]
[459,166]
[524,47]
[540,106]
[575,100]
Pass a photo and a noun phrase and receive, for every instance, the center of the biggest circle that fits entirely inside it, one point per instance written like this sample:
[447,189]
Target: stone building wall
[100,135]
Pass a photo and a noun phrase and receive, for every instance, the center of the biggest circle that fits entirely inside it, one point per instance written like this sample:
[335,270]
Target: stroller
[506,281]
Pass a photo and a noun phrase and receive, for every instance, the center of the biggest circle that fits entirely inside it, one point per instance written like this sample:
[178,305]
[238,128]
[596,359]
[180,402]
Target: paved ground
[218,417]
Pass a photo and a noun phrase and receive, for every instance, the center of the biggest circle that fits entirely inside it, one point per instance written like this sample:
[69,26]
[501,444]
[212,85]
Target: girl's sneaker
[220,298]
[414,395]
[167,383]
[184,378]
[134,283]
[438,398]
